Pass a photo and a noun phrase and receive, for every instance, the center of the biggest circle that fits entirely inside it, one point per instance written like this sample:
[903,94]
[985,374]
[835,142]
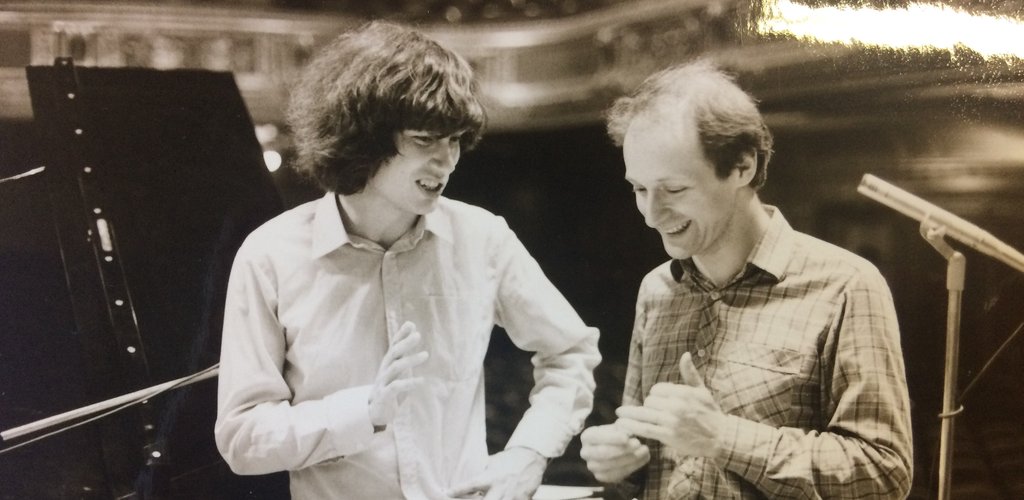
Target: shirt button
[715,295]
[701,352]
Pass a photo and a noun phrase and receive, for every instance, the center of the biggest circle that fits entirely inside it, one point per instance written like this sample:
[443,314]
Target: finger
[398,387]
[496,492]
[611,466]
[643,414]
[402,348]
[675,402]
[400,368]
[666,389]
[612,455]
[616,469]
[475,485]
[605,435]
[395,342]
[691,376]
[398,347]
[404,331]
[401,365]
[644,429]
[613,458]
[406,344]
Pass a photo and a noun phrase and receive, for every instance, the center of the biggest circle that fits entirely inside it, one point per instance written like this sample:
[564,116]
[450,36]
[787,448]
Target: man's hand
[394,377]
[683,417]
[611,453]
[513,474]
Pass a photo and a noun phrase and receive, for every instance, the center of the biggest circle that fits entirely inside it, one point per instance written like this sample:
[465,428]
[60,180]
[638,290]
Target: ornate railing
[540,74]
[546,73]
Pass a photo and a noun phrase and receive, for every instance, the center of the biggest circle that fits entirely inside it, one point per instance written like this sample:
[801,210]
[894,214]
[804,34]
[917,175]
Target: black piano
[114,256]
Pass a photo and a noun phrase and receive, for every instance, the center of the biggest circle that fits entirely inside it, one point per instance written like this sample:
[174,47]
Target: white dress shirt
[309,314]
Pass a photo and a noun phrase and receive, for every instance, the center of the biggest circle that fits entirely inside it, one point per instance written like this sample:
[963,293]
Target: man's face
[676,188]
[412,181]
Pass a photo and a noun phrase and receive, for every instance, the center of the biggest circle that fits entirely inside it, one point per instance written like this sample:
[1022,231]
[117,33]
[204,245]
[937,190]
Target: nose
[448,152]
[652,206]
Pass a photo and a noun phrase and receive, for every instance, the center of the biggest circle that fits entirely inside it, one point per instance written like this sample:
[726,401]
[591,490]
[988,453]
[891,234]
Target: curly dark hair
[728,122]
[369,84]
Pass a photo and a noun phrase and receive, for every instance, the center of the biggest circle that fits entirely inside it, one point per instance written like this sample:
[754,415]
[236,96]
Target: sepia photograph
[511,249]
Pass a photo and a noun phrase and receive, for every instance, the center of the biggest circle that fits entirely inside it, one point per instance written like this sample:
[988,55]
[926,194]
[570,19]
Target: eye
[639,189]
[675,190]
[424,140]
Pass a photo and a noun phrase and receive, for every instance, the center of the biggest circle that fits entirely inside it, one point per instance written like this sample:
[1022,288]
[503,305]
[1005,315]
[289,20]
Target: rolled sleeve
[258,429]
[865,450]
[539,319]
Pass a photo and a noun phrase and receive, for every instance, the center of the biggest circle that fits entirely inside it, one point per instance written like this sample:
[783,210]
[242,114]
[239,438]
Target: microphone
[955,227]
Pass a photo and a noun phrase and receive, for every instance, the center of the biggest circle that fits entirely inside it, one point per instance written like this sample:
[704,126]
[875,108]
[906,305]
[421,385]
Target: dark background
[562,191]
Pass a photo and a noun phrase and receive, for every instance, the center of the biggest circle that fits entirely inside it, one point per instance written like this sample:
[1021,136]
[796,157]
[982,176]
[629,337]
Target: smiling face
[677,190]
[410,183]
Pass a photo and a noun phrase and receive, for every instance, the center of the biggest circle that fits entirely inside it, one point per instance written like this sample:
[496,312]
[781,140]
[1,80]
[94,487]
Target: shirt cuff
[542,433]
[346,416]
[745,447]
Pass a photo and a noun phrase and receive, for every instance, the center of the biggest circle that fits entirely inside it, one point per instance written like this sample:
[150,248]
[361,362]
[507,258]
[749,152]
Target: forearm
[790,462]
[561,399]
[270,436]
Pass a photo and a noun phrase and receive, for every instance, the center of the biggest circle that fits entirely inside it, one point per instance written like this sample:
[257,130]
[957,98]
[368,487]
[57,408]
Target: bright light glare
[266,132]
[272,159]
[916,26]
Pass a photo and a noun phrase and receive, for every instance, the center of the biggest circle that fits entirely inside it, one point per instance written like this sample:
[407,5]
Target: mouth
[677,230]
[430,186]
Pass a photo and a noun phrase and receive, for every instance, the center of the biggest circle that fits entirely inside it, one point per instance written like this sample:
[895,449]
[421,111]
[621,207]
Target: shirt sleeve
[632,395]
[864,449]
[258,430]
[540,320]
[632,390]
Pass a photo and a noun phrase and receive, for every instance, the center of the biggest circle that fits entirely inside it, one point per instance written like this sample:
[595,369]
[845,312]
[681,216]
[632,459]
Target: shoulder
[467,220]
[465,213]
[284,232]
[658,282]
[814,256]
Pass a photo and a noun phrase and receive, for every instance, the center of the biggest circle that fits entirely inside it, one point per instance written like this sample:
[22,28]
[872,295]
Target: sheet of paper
[552,492]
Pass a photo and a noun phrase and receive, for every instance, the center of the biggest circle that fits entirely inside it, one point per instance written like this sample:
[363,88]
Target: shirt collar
[773,251]
[771,254]
[329,232]
[438,223]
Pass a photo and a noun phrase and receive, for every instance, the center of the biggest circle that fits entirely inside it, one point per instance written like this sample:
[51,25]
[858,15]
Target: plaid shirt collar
[769,258]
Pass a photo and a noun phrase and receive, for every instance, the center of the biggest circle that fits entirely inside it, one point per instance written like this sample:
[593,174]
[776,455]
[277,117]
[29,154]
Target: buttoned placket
[683,480]
[391,281]
[708,327]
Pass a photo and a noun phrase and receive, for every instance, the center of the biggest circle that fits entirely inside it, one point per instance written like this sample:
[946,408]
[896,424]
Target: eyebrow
[660,180]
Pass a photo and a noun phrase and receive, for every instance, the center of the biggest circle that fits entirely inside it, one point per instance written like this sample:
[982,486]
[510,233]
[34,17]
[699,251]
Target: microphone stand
[956,269]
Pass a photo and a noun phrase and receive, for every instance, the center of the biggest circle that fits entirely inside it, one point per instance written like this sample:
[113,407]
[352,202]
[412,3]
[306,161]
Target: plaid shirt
[801,350]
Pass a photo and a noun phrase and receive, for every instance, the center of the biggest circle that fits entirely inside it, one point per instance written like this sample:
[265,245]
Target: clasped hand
[683,417]
[394,377]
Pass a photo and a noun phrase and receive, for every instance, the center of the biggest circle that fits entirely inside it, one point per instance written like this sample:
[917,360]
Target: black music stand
[152,180]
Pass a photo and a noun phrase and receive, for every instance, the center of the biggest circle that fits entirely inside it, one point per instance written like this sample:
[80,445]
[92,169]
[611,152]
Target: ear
[745,169]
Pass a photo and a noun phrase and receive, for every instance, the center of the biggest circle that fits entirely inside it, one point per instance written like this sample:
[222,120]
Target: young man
[356,325]
[764,363]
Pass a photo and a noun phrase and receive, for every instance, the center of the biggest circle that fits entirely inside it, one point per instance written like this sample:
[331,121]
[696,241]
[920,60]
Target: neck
[727,258]
[367,218]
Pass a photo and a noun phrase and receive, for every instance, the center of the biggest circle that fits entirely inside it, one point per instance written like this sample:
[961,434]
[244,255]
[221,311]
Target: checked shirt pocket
[756,381]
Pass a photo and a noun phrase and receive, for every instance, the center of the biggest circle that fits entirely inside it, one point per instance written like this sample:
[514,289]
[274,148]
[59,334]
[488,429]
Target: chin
[426,208]
[677,253]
